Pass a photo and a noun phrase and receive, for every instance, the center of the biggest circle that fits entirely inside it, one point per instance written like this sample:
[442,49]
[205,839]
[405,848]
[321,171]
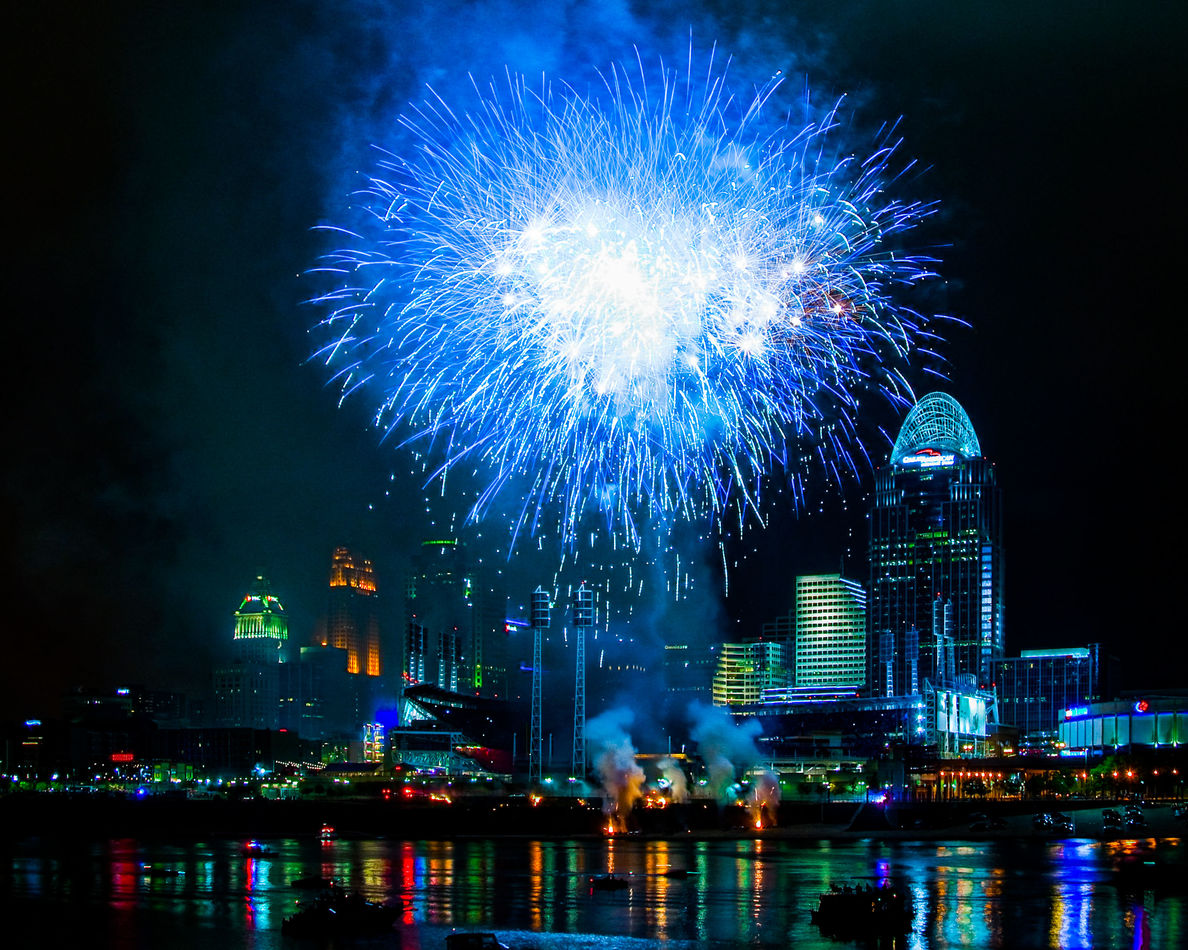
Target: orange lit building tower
[352,621]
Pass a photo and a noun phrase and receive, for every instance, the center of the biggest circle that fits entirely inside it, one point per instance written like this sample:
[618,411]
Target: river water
[1011,893]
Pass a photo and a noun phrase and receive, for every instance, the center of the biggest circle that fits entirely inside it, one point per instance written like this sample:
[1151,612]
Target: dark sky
[166,438]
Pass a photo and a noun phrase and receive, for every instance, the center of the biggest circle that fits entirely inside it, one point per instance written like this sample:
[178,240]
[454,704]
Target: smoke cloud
[727,749]
[675,776]
[614,760]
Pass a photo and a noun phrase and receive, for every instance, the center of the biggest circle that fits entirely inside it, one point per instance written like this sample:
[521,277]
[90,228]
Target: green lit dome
[937,422]
[261,614]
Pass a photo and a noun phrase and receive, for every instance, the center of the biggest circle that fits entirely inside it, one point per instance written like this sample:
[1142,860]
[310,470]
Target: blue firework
[643,299]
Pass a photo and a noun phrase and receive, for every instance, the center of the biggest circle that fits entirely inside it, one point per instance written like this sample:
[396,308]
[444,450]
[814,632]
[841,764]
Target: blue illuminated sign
[1076,711]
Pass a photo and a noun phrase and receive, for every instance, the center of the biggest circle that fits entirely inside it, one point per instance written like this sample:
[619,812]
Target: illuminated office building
[1037,686]
[935,609]
[745,670]
[352,621]
[830,633]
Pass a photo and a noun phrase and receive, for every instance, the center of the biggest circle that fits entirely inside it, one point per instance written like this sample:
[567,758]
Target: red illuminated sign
[122,757]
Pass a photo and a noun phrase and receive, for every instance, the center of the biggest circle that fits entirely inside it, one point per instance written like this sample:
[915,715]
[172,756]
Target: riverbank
[101,817]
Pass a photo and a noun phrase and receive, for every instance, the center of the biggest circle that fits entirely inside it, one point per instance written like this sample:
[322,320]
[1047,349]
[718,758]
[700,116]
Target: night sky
[167,437]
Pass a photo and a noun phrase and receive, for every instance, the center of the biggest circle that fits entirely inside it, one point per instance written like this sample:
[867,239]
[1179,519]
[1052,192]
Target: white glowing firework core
[626,304]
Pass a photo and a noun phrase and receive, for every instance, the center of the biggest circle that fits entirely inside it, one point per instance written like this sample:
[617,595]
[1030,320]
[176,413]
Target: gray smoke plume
[614,760]
[677,783]
[727,749]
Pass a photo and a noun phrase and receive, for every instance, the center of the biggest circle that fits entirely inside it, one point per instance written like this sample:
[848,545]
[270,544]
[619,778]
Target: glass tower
[745,670]
[935,610]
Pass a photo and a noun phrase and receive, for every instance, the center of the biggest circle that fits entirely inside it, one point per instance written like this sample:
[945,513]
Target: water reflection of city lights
[733,893]
[535,888]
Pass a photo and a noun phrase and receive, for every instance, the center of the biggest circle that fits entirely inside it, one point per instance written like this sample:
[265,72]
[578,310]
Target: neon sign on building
[929,458]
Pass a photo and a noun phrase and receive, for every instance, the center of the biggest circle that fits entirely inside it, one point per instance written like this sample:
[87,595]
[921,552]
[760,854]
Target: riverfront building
[1036,687]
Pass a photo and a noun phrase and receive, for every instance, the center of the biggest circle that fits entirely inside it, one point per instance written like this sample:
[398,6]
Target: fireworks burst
[643,300]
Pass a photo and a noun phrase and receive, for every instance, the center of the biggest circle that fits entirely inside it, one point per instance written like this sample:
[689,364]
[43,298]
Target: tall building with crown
[935,608]
[247,690]
[352,619]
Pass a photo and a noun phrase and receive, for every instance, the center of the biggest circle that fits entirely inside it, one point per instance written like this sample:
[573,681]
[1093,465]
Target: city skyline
[178,442]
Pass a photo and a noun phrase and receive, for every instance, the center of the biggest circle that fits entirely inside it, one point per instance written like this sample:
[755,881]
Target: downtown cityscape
[894,683]
[517,475]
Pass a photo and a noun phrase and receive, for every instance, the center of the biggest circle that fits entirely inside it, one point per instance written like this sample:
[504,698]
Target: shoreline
[25,816]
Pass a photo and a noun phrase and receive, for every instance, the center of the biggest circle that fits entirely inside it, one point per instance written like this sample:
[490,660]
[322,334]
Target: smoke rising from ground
[727,749]
[614,761]
[678,785]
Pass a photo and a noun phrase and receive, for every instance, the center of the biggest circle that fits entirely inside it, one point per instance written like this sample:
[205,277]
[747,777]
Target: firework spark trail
[643,300]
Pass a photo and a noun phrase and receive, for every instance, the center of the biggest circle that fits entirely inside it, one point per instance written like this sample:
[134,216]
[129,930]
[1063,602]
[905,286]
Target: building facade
[1036,687]
[830,632]
[935,608]
[745,670]
[319,699]
[1153,720]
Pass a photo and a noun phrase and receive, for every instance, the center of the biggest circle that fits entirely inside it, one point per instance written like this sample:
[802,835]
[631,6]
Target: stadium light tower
[540,623]
[583,620]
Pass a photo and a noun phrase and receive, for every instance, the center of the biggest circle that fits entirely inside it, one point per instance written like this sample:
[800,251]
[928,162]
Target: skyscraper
[1037,686]
[936,559]
[352,621]
[453,616]
[247,691]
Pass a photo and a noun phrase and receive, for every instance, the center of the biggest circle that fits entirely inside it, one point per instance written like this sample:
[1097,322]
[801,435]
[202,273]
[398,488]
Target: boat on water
[608,882]
[253,849]
[339,913]
[157,870]
[863,910]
